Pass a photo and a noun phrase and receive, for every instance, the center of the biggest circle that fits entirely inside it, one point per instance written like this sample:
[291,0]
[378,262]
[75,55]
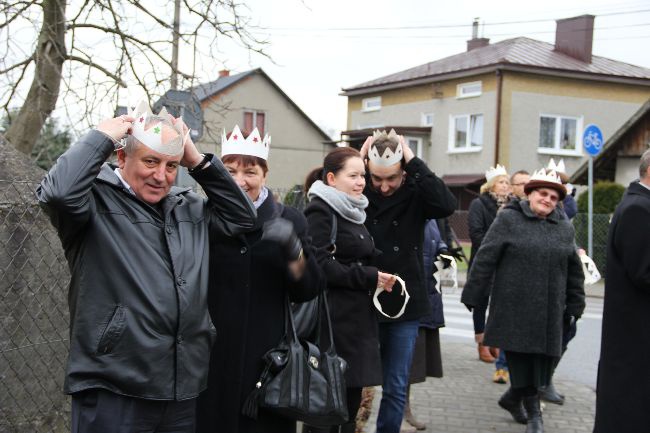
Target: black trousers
[101,411]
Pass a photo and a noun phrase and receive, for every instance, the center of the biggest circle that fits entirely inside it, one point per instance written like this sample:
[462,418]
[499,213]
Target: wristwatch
[206,158]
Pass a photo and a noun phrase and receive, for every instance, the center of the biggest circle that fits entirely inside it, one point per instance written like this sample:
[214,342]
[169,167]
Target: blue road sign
[592,140]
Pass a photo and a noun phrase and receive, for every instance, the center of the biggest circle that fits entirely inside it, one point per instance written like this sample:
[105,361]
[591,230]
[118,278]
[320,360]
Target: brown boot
[409,418]
[484,353]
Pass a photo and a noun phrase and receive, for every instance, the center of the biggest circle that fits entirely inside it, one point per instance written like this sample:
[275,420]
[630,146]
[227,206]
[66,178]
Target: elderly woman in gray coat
[538,290]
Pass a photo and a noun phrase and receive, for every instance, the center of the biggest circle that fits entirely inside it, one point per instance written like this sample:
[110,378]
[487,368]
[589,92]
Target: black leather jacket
[139,323]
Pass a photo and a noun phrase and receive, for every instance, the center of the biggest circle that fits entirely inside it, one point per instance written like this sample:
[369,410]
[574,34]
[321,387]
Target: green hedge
[607,195]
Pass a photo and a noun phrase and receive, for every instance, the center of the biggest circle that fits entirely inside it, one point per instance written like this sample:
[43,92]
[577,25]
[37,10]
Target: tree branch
[98,67]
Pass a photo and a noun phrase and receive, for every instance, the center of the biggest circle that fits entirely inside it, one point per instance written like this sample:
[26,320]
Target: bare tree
[86,50]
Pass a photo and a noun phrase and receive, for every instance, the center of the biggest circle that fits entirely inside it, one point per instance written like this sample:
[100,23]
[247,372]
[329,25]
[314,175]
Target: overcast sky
[318,47]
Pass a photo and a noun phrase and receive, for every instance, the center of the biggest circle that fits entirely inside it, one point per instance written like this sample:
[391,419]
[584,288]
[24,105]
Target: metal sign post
[592,140]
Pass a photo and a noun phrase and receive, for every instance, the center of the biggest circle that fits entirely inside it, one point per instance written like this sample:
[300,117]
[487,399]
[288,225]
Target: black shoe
[550,394]
[513,404]
[535,423]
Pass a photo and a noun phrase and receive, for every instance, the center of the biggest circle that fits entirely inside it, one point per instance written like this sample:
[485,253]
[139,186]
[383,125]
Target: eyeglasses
[551,197]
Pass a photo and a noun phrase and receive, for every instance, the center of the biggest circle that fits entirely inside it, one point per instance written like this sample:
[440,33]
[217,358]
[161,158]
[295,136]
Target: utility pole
[175,41]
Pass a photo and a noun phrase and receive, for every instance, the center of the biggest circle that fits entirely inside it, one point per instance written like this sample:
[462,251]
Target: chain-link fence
[33,316]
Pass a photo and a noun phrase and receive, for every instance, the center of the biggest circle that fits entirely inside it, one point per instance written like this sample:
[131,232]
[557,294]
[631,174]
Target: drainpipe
[498,117]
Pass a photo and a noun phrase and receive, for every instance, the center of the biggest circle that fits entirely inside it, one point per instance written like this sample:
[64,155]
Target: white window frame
[255,112]
[366,104]
[468,148]
[418,147]
[555,150]
[423,119]
[461,94]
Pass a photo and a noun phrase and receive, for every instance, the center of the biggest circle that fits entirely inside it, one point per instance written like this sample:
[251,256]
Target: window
[415,143]
[427,119]
[468,90]
[466,133]
[559,134]
[252,120]
[371,104]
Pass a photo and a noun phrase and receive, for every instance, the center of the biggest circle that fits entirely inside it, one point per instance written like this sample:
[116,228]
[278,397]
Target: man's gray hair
[645,163]
[132,143]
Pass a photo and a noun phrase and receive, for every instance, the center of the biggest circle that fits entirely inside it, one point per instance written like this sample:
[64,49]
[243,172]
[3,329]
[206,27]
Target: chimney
[224,73]
[574,37]
[476,42]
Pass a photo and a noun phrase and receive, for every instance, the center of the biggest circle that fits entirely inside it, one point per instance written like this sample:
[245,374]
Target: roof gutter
[497,135]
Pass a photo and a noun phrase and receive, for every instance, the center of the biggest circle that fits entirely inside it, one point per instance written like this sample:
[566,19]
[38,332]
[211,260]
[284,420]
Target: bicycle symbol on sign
[593,141]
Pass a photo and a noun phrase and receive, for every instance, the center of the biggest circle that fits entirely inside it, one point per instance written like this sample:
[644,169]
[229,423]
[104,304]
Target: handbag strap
[323,309]
[333,233]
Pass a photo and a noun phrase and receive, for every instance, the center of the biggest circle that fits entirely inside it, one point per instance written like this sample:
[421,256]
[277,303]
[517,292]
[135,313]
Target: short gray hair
[132,143]
[645,163]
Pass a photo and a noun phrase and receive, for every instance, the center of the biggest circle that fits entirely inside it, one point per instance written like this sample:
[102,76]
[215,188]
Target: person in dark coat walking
[403,194]
[250,277]
[336,191]
[623,387]
[427,356]
[482,211]
[529,267]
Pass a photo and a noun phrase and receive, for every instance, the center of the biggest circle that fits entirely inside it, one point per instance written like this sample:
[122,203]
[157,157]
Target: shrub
[607,195]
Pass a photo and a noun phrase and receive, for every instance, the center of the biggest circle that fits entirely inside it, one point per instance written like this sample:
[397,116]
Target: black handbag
[305,314]
[300,381]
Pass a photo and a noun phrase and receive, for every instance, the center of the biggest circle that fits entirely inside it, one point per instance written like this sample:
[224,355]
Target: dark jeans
[396,344]
[101,411]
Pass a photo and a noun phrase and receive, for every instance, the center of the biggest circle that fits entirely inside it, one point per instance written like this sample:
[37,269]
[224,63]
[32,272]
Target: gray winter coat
[538,280]
[139,323]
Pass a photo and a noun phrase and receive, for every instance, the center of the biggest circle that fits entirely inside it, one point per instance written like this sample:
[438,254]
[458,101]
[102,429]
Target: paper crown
[152,135]
[558,168]
[252,145]
[546,175]
[493,172]
[389,157]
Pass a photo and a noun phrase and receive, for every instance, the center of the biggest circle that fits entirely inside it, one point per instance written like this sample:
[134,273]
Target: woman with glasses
[529,267]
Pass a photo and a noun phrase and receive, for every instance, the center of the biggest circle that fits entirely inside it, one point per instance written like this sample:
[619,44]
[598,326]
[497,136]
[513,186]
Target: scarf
[350,208]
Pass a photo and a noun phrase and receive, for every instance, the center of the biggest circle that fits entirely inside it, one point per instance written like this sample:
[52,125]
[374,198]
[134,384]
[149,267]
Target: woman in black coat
[482,211]
[336,191]
[529,267]
[250,276]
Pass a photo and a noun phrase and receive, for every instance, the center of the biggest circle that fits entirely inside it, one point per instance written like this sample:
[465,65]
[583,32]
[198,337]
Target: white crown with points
[152,135]
[546,176]
[558,168]
[252,145]
[389,157]
[493,172]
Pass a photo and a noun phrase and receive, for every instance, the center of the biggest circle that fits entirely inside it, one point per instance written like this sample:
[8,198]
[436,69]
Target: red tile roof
[517,52]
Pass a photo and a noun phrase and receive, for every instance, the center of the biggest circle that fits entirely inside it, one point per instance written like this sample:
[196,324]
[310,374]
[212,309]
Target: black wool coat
[246,298]
[482,212]
[538,280]
[623,393]
[396,223]
[351,282]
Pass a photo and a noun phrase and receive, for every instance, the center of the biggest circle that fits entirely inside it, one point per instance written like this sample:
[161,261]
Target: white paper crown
[558,168]
[493,172]
[546,175]
[389,157]
[252,145]
[152,136]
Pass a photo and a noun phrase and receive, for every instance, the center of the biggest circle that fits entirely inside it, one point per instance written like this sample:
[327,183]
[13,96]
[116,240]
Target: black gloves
[456,253]
[281,231]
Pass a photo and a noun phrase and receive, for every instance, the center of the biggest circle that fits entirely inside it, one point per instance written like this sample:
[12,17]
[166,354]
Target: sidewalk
[465,400]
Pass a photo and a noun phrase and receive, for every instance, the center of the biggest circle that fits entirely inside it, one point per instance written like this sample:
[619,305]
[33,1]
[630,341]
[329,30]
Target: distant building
[517,102]
[251,99]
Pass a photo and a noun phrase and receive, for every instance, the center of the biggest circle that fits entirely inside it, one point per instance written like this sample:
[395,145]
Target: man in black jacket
[622,402]
[137,248]
[403,194]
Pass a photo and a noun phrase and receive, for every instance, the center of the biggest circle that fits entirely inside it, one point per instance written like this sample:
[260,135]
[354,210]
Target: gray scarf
[350,208]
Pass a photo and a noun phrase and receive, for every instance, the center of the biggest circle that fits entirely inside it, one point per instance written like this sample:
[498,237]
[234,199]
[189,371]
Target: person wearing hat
[529,267]
[482,211]
[137,247]
[250,275]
